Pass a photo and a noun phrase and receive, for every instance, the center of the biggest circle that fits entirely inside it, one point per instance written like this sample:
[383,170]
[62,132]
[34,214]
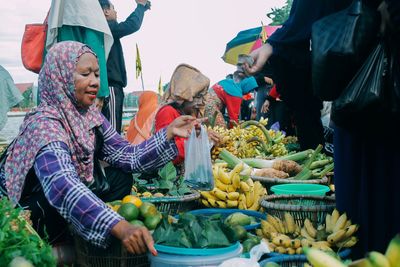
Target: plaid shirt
[89,216]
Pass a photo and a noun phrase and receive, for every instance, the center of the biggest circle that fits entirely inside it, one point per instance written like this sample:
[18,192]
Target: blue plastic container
[185,257]
[226,212]
[285,260]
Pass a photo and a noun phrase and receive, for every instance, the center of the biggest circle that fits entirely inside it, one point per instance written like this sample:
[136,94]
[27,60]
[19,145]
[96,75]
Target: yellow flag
[138,63]
[263,33]
[160,88]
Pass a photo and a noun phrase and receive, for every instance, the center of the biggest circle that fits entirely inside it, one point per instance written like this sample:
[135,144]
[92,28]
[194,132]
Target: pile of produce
[197,231]
[167,183]
[251,139]
[287,237]
[391,258]
[232,191]
[137,212]
[20,245]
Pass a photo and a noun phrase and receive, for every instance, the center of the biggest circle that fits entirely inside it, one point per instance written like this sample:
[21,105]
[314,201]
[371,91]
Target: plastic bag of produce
[255,254]
[198,168]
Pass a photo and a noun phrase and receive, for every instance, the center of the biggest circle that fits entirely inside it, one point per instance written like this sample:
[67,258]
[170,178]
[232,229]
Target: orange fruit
[132,199]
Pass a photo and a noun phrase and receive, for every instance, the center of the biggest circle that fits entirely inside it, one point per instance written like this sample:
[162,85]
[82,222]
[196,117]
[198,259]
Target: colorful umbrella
[247,41]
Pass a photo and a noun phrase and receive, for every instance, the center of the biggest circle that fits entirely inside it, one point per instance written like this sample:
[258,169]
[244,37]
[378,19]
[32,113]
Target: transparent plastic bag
[198,168]
[255,255]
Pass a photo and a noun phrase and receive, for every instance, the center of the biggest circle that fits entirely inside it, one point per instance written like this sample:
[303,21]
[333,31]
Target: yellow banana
[244,186]
[305,243]
[348,243]
[249,198]
[319,258]
[256,203]
[236,170]
[221,204]
[328,224]
[205,203]
[321,245]
[232,203]
[259,233]
[233,195]
[295,243]
[350,230]
[207,195]
[242,202]
[336,236]
[235,180]
[299,250]
[290,251]
[274,222]
[230,188]
[220,185]
[213,202]
[250,182]
[291,225]
[393,252]
[310,228]
[377,259]
[223,176]
[220,194]
[267,228]
[334,217]
[340,223]
[287,243]
[215,170]
[348,223]
[305,234]
[279,249]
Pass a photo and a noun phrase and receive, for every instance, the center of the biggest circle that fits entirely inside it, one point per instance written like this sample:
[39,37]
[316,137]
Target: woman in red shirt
[185,95]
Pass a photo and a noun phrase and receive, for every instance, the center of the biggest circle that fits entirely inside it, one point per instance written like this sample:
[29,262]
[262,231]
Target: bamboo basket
[315,208]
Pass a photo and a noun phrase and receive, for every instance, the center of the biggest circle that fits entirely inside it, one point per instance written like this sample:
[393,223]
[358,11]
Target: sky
[173,31]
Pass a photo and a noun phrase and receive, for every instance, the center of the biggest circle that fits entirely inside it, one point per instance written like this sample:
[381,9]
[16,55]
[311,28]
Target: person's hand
[181,126]
[136,239]
[268,80]
[265,106]
[260,55]
[99,103]
[214,136]
[142,2]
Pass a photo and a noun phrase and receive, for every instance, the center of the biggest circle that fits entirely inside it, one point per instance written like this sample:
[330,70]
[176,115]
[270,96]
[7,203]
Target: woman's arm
[90,217]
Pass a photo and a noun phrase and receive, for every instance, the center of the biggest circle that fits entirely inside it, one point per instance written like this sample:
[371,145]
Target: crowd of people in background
[79,122]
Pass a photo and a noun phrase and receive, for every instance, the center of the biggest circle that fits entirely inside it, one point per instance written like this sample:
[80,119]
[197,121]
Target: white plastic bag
[198,167]
[255,254]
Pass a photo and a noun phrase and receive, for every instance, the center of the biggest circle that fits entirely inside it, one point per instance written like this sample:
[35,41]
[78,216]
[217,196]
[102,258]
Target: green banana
[377,259]
[393,252]
[321,259]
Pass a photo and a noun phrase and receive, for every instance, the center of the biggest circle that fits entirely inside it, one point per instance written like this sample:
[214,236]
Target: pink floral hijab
[57,118]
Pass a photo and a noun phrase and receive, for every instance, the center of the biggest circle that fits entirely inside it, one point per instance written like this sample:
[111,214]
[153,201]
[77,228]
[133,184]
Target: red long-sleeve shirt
[164,117]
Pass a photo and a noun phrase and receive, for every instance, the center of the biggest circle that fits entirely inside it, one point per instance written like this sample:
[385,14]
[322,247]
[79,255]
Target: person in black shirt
[116,71]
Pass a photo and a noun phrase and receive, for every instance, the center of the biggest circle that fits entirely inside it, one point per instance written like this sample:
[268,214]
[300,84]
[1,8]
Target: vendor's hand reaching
[265,106]
[260,55]
[214,137]
[181,126]
[136,239]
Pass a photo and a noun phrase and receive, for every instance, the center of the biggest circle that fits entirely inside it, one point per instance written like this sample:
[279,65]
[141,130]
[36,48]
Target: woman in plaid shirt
[49,165]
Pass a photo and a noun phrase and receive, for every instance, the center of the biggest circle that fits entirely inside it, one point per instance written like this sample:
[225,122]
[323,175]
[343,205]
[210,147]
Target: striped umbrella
[247,41]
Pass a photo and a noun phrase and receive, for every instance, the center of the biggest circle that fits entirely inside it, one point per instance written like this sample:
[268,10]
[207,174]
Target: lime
[148,209]
[151,222]
[129,211]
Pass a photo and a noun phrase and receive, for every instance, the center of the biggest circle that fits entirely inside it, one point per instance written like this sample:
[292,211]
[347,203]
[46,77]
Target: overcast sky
[173,32]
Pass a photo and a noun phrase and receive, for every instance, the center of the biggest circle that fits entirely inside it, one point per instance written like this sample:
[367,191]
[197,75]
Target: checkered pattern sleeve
[152,154]
[88,215]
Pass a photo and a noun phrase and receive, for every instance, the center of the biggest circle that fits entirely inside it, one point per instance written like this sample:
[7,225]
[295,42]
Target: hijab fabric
[141,125]
[57,118]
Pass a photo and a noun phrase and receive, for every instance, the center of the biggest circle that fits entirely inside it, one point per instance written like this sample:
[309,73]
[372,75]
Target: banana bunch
[340,230]
[391,258]
[231,192]
[283,235]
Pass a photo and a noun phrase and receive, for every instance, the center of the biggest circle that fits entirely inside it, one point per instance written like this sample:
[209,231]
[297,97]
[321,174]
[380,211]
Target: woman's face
[86,79]
[194,107]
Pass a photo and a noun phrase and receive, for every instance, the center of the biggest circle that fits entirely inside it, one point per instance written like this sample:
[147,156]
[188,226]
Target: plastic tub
[226,212]
[300,189]
[180,257]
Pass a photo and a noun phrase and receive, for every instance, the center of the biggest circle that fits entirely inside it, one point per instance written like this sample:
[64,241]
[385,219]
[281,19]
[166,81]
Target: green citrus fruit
[148,209]
[137,223]
[151,222]
[129,211]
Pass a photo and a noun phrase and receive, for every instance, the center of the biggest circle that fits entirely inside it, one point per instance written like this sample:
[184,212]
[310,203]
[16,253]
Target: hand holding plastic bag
[255,254]
[198,168]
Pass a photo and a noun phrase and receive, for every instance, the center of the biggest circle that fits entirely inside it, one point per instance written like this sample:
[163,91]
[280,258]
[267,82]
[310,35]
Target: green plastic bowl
[300,189]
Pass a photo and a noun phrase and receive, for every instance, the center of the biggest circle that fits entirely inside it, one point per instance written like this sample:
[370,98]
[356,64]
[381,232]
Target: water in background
[11,128]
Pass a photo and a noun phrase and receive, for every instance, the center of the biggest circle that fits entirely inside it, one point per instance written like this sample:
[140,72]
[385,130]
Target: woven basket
[173,205]
[88,255]
[315,208]
[267,182]
[296,260]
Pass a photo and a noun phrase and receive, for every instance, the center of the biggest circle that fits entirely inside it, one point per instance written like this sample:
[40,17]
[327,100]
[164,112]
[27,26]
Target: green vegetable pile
[19,240]
[195,231]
